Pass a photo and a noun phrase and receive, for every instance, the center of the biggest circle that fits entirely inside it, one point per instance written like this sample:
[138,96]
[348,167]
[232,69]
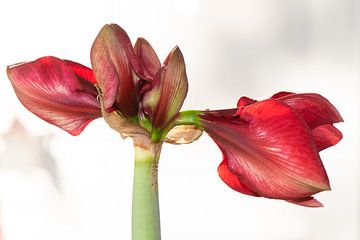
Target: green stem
[189,117]
[145,208]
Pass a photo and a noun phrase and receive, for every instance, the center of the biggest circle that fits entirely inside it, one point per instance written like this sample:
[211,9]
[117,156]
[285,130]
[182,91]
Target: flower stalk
[145,205]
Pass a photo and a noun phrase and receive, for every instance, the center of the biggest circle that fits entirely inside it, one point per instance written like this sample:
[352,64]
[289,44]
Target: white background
[248,47]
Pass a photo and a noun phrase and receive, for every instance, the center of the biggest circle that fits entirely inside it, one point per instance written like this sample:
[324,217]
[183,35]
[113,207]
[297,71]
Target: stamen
[100,95]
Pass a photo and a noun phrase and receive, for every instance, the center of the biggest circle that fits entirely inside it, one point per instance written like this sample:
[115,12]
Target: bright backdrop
[239,47]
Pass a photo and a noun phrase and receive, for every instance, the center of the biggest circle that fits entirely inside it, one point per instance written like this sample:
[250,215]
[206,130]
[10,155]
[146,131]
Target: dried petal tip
[183,134]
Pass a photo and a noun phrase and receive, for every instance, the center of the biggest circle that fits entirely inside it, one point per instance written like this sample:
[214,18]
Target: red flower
[58,91]
[134,86]
[271,148]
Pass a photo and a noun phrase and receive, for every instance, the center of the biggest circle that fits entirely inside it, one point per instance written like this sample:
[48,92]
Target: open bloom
[128,86]
[271,148]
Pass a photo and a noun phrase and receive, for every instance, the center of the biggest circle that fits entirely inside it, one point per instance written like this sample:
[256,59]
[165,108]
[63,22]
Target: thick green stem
[189,117]
[145,208]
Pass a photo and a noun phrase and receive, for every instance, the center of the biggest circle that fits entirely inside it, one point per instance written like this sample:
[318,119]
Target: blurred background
[55,186]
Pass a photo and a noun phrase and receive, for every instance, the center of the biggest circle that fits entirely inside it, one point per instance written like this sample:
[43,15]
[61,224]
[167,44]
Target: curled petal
[317,111]
[147,57]
[314,108]
[168,92]
[271,149]
[51,89]
[183,134]
[113,60]
[326,136]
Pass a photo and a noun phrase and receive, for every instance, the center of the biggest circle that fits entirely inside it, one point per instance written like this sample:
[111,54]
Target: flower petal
[281,94]
[326,136]
[49,88]
[271,149]
[82,72]
[113,60]
[226,113]
[168,92]
[307,202]
[314,108]
[147,57]
[233,180]
[245,101]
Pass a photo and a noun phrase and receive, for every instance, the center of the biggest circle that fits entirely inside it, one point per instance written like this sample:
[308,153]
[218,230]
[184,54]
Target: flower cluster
[270,148]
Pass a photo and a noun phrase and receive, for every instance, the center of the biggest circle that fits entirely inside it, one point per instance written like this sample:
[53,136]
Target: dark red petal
[245,101]
[233,180]
[147,57]
[271,149]
[306,202]
[223,112]
[113,60]
[326,136]
[281,94]
[314,108]
[168,92]
[49,88]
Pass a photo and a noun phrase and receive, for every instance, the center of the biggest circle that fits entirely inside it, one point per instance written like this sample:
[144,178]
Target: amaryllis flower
[271,147]
[128,86]
[60,92]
